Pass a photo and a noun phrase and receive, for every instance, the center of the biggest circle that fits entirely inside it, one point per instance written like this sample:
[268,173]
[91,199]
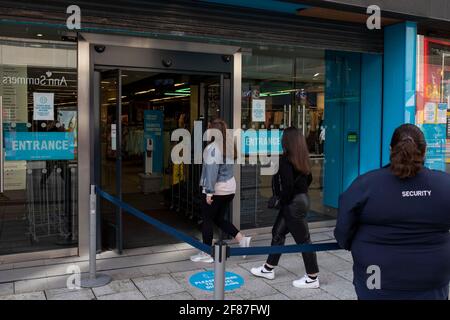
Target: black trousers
[292,219]
[214,213]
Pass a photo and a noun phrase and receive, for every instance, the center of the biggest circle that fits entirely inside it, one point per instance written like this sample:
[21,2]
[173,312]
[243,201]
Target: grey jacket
[214,169]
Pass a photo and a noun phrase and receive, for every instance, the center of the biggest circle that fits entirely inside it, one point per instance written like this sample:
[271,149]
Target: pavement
[163,272]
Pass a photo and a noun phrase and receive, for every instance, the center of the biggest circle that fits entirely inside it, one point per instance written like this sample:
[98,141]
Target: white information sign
[44,106]
[258,110]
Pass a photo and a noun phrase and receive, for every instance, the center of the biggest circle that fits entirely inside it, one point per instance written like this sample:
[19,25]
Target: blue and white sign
[205,281]
[258,110]
[153,131]
[44,106]
[39,146]
[435,136]
[262,141]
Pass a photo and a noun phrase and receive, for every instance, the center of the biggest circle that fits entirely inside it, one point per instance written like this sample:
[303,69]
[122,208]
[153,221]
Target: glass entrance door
[110,157]
[139,110]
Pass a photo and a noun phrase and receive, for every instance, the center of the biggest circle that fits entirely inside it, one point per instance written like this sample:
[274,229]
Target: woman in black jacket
[294,175]
[396,223]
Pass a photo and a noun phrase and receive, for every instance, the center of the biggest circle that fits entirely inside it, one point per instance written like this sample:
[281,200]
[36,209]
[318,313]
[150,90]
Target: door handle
[2,156]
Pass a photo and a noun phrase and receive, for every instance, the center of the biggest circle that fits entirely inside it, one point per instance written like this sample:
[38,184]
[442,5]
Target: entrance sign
[39,146]
[205,281]
[44,106]
[262,142]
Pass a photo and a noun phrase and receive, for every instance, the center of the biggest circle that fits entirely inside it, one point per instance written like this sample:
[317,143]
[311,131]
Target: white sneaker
[263,273]
[306,283]
[202,257]
[245,243]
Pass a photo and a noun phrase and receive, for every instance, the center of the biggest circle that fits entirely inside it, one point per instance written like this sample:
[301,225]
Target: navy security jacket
[399,225]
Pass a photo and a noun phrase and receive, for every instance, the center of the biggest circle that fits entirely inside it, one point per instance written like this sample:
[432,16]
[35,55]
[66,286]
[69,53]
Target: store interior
[153,106]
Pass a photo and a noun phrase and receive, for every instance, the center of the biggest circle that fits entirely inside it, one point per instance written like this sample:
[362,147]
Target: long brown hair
[221,125]
[408,148]
[296,150]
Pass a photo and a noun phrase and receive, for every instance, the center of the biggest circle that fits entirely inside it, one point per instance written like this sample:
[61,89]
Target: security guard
[396,221]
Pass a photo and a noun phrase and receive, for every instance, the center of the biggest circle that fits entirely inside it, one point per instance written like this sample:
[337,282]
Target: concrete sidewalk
[163,272]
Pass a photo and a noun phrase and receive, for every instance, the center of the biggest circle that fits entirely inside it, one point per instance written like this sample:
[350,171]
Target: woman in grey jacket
[218,186]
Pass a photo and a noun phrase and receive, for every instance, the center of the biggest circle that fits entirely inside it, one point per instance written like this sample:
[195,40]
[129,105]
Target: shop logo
[74,20]
[43,80]
[374,20]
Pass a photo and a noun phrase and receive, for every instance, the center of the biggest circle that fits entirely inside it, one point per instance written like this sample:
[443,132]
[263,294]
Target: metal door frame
[87,113]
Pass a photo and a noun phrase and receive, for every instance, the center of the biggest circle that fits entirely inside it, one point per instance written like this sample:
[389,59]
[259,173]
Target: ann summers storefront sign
[43,80]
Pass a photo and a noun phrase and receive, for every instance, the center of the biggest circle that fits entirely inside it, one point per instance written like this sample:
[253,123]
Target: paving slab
[6,289]
[337,286]
[11,275]
[287,289]
[346,274]
[25,286]
[70,294]
[278,296]
[39,295]
[343,254]
[124,273]
[332,262]
[255,288]
[186,265]
[129,295]
[175,296]
[117,286]
[152,286]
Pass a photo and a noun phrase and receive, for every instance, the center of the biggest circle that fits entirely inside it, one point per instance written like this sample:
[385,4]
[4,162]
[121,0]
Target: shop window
[290,92]
[433,100]
[38,90]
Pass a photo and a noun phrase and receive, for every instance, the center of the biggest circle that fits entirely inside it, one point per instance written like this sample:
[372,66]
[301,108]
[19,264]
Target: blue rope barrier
[316,247]
[205,248]
[157,224]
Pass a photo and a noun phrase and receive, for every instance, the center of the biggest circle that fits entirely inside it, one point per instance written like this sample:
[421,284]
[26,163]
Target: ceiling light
[39,35]
[146,91]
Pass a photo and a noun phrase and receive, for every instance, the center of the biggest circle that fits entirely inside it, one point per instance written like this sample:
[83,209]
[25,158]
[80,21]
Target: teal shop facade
[257,64]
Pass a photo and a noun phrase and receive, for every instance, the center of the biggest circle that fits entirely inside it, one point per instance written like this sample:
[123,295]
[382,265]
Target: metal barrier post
[220,257]
[94,279]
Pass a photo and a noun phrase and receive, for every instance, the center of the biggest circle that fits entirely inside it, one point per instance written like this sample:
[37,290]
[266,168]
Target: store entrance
[138,111]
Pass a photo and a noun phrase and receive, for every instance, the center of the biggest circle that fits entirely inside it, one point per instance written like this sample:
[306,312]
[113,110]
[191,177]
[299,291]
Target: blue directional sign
[205,281]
